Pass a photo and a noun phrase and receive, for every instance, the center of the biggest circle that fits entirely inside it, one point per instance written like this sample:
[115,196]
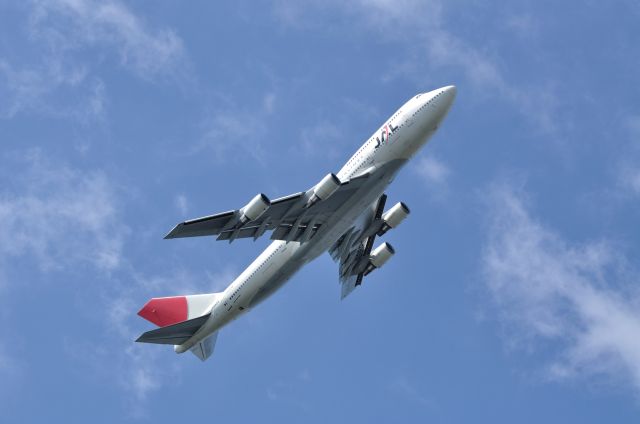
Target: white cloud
[70,40]
[67,25]
[321,140]
[628,168]
[629,177]
[523,25]
[7,364]
[60,216]
[269,103]
[578,299]
[59,219]
[445,49]
[435,176]
[432,170]
[182,204]
[429,44]
[403,387]
[287,389]
[140,369]
[35,89]
[236,129]
[137,367]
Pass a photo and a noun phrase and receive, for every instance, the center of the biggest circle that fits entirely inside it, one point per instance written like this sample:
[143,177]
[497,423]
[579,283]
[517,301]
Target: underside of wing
[296,217]
[354,249]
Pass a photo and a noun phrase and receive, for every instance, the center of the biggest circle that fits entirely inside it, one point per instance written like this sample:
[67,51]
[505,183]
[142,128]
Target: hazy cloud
[182,204]
[422,29]
[59,215]
[320,140]
[435,176]
[233,129]
[70,40]
[287,389]
[37,88]
[629,178]
[432,170]
[579,298]
[68,25]
[628,168]
[142,372]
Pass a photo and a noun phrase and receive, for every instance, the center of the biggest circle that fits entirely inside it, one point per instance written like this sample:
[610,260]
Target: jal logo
[385,134]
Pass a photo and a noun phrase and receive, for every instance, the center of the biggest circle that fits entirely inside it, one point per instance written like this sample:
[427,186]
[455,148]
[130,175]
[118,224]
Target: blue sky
[514,296]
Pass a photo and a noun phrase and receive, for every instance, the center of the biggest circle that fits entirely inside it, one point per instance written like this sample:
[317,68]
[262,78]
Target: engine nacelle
[324,189]
[394,217]
[254,209]
[379,257]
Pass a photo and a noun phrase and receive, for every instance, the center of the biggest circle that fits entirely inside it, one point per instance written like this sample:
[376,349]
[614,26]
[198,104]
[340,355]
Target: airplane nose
[445,97]
[449,93]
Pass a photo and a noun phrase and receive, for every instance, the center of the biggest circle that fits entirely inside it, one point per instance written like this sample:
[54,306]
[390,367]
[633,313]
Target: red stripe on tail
[163,311]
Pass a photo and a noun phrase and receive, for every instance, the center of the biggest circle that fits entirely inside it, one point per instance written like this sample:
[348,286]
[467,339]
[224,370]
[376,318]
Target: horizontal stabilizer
[175,334]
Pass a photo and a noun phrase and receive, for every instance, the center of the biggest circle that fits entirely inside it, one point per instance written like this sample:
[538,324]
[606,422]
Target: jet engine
[393,217]
[254,209]
[324,189]
[379,257]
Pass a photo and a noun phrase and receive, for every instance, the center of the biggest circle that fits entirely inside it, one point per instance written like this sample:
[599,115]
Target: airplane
[342,214]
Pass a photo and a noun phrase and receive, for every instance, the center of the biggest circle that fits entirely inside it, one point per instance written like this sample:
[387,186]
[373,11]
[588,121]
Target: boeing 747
[342,214]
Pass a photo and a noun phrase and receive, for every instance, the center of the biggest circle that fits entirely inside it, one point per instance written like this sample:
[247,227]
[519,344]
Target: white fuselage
[381,156]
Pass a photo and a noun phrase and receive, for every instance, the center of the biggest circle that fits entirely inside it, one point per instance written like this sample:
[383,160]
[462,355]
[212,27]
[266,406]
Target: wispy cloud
[139,370]
[36,88]
[320,140]
[578,298]
[182,204]
[435,175]
[628,168]
[428,43]
[235,129]
[70,41]
[432,170]
[445,49]
[405,388]
[12,372]
[60,216]
[629,178]
[286,390]
[71,25]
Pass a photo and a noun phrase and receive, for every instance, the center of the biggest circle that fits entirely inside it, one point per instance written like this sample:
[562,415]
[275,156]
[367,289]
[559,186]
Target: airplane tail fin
[164,311]
[179,318]
[204,348]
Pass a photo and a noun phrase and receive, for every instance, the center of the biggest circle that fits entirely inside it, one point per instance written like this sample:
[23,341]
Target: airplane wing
[353,250]
[296,217]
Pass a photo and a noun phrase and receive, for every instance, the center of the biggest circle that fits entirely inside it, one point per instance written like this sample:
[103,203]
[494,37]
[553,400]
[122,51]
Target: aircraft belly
[329,233]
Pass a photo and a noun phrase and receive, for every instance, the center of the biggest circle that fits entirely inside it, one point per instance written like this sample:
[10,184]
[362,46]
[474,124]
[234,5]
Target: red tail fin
[163,311]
